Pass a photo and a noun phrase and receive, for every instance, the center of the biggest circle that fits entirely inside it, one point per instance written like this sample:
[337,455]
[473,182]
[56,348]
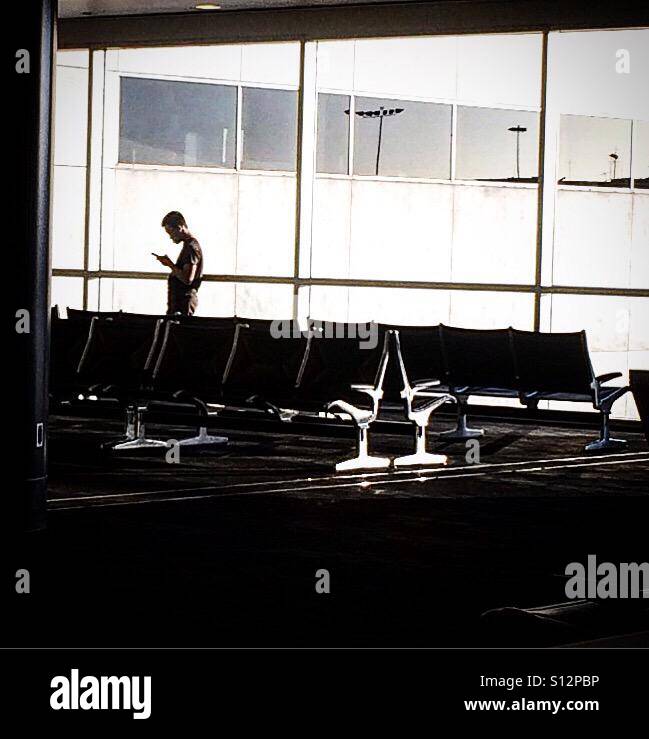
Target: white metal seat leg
[140,440]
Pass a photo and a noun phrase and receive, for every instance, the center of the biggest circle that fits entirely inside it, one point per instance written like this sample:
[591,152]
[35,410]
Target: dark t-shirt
[191,253]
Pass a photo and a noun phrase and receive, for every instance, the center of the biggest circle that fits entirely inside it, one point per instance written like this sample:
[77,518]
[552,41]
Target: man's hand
[165,261]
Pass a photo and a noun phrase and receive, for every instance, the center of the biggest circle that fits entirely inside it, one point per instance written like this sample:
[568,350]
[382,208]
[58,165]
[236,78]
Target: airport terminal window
[269,129]
[641,154]
[594,151]
[497,144]
[402,138]
[333,134]
[177,123]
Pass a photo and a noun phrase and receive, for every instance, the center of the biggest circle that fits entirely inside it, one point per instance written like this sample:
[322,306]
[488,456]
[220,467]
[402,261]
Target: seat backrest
[89,314]
[334,365]
[552,362]
[193,359]
[209,321]
[421,352]
[265,324]
[265,364]
[68,339]
[116,352]
[477,357]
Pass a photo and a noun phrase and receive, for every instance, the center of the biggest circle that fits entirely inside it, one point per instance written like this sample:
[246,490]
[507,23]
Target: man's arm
[185,274]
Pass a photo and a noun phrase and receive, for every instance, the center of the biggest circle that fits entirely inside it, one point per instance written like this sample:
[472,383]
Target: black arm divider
[226,361]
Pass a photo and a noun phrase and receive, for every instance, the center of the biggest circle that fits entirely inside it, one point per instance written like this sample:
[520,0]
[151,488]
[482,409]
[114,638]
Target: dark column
[30,39]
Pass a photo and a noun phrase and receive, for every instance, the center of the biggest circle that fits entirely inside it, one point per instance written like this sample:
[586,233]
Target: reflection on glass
[177,123]
[269,129]
[402,138]
[594,151]
[497,144]
[641,154]
[333,134]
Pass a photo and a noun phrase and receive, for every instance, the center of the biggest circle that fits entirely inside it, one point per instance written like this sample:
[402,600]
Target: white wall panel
[216,299]
[142,197]
[255,300]
[67,292]
[215,62]
[494,237]
[401,231]
[133,296]
[266,241]
[421,67]
[93,294]
[277,63]
[330,236]
[107,219]
[71,116]
[479,309]
[335,68]
[111,119]
[72,58]
[330,303]
[604,318]
[638,324]
[592,245]
[584,78]
[639,272]
[499,70]
[96,153]
[403,306]
[68,221]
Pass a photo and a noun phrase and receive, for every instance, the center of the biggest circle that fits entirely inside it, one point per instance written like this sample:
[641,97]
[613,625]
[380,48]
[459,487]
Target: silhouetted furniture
[67,342]
[640,389]
[214,363]
[117,362]
[264,370]
[557,366]
[421,397]
[345,375]
[189,369]
[90,314]
[476,362]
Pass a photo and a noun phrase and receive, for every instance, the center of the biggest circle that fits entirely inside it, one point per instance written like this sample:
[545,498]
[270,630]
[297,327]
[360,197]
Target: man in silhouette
[187,272]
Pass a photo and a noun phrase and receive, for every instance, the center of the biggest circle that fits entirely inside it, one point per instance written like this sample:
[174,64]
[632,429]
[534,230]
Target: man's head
[175,225]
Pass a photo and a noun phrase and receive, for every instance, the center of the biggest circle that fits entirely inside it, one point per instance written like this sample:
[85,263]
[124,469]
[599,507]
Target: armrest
[376,393]
[425,385]
[608,376]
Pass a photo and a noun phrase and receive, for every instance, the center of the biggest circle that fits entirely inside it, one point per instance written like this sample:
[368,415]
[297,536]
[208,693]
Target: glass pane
[333,134]
[497,144]
[641,154]
[594,151]
[269,129]
[177,123]
[401,138]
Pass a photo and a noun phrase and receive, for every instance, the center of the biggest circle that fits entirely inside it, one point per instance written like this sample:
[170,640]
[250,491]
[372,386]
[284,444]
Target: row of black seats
[231,364]
[211,360]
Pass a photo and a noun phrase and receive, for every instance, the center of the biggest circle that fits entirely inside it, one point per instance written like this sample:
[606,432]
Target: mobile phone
[157,256]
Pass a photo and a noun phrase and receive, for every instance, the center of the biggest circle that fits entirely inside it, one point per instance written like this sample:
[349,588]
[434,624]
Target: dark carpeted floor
[222,549]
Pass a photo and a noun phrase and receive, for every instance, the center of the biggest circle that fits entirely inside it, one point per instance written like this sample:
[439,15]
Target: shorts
[183,303]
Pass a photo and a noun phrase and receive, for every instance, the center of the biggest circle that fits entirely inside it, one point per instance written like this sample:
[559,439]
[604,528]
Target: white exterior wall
[70,155]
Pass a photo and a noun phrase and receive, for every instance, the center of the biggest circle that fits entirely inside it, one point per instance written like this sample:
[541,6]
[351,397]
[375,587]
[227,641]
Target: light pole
[614,157]
[518,130]
[381,113]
